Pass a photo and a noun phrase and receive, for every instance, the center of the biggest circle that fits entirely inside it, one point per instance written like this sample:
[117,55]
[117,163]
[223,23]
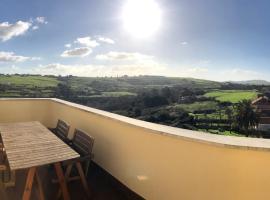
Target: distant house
[262,107]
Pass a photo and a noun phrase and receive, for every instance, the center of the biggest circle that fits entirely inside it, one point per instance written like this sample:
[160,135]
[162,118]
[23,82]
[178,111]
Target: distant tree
[63,91]
[167,93]
[152,98]
[245,117]
[229,113]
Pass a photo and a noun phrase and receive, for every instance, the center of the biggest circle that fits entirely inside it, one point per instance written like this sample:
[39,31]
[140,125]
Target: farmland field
[115,94]
[30,81]
[197,106]
[232,96]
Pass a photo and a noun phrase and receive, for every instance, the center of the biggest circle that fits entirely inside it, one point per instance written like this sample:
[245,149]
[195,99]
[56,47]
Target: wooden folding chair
[61,130]
[82,143]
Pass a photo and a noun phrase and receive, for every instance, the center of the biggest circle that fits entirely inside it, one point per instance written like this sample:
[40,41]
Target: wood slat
[62,129]
[30,144]
[82,142]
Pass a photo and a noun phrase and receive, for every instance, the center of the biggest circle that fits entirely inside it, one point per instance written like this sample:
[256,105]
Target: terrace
[136,159]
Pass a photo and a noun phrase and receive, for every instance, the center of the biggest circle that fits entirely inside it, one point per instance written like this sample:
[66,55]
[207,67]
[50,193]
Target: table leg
[40,189]
[29,183]
[62,181]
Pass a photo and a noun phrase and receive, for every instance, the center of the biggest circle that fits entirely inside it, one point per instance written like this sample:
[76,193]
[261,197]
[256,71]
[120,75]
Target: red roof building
[262,107]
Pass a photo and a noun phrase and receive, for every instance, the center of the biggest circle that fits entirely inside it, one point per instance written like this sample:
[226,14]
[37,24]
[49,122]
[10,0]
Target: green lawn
[233,96]
[215,115]
[31,81]
[205,105]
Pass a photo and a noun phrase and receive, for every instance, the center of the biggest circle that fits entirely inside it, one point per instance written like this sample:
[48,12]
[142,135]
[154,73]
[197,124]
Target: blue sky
[210,39]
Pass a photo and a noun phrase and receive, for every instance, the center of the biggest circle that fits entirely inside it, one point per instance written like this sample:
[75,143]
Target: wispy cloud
[12,57]
[184,43]
[115,55]
[35,27]
[191,71]
[77,52]
[196,70]
[216,74]
[87,41]
[106,40]
[8,31]
[41,20]
[67,45]
[98,70]
[239,74]
[131,63]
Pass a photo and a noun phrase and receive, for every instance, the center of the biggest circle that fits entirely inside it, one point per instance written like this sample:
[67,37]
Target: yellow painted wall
[161,167]
[20,110]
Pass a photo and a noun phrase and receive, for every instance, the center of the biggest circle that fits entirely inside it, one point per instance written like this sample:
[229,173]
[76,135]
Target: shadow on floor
[102,185]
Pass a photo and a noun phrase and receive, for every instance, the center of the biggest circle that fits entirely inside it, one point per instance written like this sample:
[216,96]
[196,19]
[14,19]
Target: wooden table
[29,145]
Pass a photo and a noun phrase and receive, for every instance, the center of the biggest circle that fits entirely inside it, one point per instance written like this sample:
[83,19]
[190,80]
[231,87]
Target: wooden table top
[30,144]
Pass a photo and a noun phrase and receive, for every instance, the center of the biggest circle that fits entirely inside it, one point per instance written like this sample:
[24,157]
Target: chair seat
[80,159]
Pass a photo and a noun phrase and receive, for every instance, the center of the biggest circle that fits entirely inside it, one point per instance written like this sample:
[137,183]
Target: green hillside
[32,81]
[232,96]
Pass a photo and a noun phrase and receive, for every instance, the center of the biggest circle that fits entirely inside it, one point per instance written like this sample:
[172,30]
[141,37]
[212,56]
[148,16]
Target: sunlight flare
[141,18]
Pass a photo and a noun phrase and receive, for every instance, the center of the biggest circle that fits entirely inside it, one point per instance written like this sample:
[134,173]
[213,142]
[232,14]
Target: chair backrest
[82,143]
[62,129]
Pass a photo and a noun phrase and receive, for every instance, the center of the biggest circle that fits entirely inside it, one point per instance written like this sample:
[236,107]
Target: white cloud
[106,40]
[67,45]
[197,70]
[184,43]
[216,74]
[239,74]
[114,55]
[132,64]
[35,27]
[98,70]
[11,57]
[77,52]
[41,20]
[87,41]
[8,31]
[35,58]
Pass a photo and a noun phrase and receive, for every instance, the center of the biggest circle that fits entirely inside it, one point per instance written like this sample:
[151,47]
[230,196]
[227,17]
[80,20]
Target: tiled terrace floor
[102,185]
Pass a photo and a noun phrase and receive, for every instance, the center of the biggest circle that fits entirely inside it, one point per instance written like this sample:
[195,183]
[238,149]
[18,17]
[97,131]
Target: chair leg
[83,179]
[81,176]
[87,164]
[62,181]
[12,180]
[67,174]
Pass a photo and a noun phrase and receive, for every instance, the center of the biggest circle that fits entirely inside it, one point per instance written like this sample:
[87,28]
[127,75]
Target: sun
[141,18]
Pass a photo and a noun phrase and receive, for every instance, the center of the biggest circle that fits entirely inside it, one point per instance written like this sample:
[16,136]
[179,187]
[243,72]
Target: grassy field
[115,94]
[31,81]
[27,86]
[205,105]
[233,96]
[215,115]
